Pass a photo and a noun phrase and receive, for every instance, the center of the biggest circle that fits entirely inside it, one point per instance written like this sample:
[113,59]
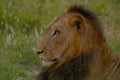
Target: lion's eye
[56,32]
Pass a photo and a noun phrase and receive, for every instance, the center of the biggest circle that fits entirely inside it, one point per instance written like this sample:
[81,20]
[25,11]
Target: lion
[74,48]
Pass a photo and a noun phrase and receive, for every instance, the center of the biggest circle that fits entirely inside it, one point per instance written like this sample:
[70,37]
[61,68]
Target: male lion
[73,48]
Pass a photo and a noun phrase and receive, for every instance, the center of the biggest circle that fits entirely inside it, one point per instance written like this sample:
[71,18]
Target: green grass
[22,23]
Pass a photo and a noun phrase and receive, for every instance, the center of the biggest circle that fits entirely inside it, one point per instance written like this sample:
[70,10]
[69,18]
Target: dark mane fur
[80,9]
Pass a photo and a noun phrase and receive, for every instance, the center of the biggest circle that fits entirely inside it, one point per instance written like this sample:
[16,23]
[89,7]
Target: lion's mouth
[49,62]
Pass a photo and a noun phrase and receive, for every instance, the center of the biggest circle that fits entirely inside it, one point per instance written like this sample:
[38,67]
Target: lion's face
[63,39]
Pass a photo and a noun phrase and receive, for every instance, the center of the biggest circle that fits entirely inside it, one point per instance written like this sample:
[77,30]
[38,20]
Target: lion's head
[75,31]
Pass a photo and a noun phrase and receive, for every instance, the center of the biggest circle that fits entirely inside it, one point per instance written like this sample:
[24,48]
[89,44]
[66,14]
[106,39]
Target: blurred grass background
[22,23]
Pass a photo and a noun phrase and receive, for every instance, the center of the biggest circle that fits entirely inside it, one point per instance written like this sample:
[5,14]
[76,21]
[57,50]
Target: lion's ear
[75,21]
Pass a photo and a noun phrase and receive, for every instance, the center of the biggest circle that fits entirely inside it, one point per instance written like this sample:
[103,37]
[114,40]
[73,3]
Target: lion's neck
[75,69]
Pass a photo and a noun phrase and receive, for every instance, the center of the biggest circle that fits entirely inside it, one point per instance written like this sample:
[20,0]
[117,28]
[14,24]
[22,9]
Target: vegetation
[22,23]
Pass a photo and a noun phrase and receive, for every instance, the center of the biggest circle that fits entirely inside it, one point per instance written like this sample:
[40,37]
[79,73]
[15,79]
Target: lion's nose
[40,52]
